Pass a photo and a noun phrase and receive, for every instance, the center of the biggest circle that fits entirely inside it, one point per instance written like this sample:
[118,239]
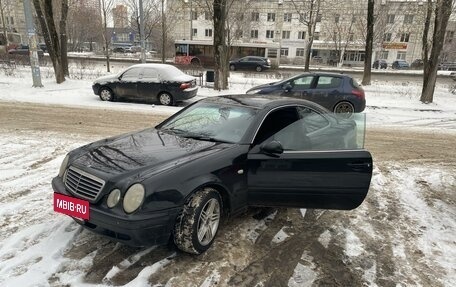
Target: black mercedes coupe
[214,158]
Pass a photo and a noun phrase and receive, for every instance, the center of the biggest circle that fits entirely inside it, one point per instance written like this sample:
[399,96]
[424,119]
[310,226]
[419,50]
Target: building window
[254,34]
[272,53]
[208,32]
[316,36]
[239,34]
[194,32]
[286,34]
[351,37]
[255,17]
[207,16]
[401,55]
[194,15]
[299,52]
[271,17]
[390,18]
[301,35]
[302,18]
[384,54]
[405,37]
[270,34]
[240,16]
[284,52]
[353,19]
[387,37]
[336,18]
[408,19]
[318,19]
[287,17]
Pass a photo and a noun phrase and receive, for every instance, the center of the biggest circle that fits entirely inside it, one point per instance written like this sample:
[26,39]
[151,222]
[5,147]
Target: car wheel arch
[222,190]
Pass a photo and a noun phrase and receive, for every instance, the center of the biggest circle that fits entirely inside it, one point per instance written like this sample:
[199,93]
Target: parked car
[400,64]
[336,92]
[380,64]
[447,66]
[214,158]
[417,64]
[121,50]
[317,59]
[24,51]
[152,83]
[253,63]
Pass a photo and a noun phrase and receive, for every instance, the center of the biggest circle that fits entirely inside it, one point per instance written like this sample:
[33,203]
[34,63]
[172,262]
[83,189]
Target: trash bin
[210,76]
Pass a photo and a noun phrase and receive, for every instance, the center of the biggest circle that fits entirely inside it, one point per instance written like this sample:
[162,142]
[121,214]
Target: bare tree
[106,6]
[369,43]
[83,26]
[440,11]
[57,53]
[5,31]
[309,14]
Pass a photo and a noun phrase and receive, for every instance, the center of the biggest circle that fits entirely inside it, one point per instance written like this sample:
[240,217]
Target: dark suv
[336,92]
[250,63]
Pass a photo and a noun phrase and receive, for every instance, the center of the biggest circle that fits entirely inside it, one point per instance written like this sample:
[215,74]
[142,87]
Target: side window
[131,75]
[282,125]
[328,82]
[312,120]
[149,75]
[302,82]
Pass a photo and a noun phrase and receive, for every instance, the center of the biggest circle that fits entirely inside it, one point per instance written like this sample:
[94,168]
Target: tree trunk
[369,43]
[442,15]
[5,33]
[63,37]
[220,45]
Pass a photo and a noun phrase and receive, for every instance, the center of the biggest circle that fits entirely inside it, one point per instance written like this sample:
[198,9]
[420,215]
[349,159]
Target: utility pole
[141,31]
[33,50]
[163,31]
[191,20]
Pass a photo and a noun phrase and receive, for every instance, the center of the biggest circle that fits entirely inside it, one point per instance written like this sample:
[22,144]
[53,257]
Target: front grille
[83,184]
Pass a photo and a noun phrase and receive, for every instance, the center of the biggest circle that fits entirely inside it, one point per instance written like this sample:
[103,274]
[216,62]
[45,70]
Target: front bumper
[96,89]
[153,228]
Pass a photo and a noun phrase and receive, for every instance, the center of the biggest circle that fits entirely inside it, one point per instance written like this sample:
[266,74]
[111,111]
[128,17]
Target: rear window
[354,84]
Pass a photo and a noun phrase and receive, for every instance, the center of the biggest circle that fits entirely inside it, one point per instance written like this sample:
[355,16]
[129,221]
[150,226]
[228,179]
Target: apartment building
[339,33]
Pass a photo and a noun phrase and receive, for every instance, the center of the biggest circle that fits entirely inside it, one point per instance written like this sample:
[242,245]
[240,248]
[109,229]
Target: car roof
[261,101]
[165,66]
[322,74]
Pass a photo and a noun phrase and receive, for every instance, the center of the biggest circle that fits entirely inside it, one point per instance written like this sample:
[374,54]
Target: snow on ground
[37,246]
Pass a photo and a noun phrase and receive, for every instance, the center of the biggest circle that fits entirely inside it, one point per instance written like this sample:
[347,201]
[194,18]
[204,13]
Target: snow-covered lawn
[402,235]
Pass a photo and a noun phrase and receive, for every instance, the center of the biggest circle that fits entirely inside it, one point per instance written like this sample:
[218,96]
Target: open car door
[306,159]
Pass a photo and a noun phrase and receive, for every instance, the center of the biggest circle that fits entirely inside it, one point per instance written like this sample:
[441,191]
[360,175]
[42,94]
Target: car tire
[344,108]
[106,94]
[232,67]
[165,99]
[197,225]
[259,69]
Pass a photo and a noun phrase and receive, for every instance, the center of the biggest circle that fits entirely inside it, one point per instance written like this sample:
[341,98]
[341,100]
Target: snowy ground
[402,235]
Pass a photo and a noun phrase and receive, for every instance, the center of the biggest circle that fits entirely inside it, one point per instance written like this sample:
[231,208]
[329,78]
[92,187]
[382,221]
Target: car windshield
[212,122]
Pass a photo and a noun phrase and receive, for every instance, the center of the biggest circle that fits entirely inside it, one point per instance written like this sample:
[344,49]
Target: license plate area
[74,207]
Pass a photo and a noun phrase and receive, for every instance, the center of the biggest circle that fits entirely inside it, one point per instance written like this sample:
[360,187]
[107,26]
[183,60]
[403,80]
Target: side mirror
[272,148]
[287,87]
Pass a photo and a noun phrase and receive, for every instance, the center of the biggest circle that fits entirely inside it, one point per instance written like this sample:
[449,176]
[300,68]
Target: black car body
[380,64]
[400,64]
[225,153]
[149,83]
[417,64]
[336,92]
[252,63]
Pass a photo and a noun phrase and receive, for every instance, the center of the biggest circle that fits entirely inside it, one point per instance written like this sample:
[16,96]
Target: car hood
[259,87]
[141,152]
[105,79]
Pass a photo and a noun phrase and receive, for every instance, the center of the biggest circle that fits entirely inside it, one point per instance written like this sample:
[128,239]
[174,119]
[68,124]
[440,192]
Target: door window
[149,75]
[131,75]
[302,82]
[325,82]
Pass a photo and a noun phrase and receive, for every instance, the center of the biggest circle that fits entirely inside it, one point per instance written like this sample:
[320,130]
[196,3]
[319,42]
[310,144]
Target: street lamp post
[33,49]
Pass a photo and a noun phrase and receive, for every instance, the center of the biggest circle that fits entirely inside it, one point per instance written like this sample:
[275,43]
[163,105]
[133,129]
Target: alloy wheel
[208,221]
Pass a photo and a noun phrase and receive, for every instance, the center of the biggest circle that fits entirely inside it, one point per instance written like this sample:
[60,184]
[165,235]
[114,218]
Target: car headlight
[63,166]
[133,198]
[252,92]
[113,198]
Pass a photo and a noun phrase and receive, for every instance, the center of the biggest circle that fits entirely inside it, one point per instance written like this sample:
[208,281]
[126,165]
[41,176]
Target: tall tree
[5,32]
[309,14]
[106,6]
[440,10]
[369,43]
[45,13]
